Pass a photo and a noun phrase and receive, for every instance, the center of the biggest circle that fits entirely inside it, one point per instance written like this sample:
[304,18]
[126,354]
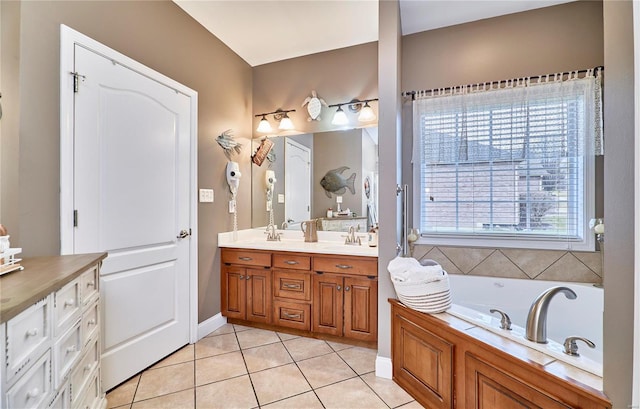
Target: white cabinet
[51,349]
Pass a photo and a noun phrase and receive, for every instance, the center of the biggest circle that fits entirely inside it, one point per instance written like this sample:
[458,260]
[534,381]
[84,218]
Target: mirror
[305,175]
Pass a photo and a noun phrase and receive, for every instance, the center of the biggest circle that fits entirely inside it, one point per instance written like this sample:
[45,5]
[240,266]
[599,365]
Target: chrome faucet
[352,238]
[285,225]
[537,318]
[505,321]
[272,235]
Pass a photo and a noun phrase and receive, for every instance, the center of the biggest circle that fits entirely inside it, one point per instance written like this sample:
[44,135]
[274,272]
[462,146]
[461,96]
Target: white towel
[406,269]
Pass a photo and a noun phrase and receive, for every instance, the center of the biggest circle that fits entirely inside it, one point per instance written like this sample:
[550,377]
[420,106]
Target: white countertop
[293,240]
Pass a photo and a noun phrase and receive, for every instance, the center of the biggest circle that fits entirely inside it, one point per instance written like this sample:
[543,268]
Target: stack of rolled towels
[422,286]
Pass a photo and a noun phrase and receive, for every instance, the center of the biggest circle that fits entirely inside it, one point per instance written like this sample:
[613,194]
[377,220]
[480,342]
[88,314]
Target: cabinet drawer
[34,387]
[292,315]
[246,258]
[89,284]
[292,284]
[89,398]
[291,261]
[66,310]
[81,375]
[61,399]
[346,265]
[66,353]
[90,322]
[28,336]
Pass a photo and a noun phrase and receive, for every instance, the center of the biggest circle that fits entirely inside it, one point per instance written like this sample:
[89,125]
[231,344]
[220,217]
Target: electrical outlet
[206,195]
[232,206]
[338,199]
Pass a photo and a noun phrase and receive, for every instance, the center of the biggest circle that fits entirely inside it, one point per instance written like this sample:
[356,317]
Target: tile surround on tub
[585,267]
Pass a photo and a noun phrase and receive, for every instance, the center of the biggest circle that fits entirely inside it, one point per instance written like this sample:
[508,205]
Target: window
[513,166]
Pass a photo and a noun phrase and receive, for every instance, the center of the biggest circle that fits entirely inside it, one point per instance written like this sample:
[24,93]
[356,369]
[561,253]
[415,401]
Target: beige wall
[337,76]
[160,35]
[553,39]
[619,202]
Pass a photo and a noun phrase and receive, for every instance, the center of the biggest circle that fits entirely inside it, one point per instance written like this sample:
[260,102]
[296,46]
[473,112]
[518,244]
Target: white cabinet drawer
[33,389]
[61,399]
[90,322]
[87,365]
[66,352]
[89,285]
[28,336]
[90,397]
[66,309]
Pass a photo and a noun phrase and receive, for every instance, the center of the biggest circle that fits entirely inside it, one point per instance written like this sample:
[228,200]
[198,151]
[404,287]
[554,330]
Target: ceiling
[264,31]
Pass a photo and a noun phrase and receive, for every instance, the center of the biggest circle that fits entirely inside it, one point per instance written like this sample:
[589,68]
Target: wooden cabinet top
[40,277]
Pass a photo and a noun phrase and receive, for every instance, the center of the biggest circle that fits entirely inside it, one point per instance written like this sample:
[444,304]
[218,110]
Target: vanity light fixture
[355,106]
[279,115]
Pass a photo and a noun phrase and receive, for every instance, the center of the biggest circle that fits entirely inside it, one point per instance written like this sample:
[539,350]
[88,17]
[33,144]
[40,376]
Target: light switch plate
[206,195]
[280,198]
[338,199]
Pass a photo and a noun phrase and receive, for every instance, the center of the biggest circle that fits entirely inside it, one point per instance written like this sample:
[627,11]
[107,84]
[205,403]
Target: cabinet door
[423,364]
[258,295]
[233,292]
[487,388]
[327,304]
[361,308]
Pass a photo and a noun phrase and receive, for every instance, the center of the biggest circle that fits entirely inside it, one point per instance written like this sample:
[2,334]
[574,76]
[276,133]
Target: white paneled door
[297,184]
[131,197]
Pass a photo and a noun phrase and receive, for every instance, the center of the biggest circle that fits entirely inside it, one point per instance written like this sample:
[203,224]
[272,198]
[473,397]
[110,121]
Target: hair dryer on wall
[233,177]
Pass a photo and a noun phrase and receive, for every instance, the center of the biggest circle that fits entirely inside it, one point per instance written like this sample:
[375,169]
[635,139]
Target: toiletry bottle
[373,237]
[329,213]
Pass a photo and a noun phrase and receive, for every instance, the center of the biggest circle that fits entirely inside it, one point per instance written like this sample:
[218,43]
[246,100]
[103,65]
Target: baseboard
[207,327]
[384,367]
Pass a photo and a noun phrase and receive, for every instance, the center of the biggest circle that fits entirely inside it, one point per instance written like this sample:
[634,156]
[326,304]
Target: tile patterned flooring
[241,367]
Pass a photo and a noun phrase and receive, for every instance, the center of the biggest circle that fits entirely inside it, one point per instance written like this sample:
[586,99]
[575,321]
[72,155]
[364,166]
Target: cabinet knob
[347,288]
[241,277]
[70,303]
[32,332]
[338,288]
[91,284]
[91,322]
[248,276]
[71,349]
[33,393]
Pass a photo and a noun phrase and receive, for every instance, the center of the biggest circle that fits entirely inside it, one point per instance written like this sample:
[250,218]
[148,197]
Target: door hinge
[76,79]
[75,218]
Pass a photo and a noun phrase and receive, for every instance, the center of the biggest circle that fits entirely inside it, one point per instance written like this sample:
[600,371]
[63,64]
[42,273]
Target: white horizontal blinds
[505,162]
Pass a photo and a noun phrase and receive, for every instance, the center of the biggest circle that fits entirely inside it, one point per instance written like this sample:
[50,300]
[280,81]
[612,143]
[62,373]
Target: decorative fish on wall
[228,143]
[334,182]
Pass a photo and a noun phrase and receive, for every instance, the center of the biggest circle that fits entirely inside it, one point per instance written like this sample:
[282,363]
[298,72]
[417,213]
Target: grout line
[244,361]
[302,373]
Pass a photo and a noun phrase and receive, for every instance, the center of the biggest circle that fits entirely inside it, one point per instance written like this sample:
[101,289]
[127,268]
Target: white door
[131,192]
[297,185]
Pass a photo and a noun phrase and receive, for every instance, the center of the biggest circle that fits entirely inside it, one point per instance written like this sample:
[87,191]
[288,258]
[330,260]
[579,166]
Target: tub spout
[537,318]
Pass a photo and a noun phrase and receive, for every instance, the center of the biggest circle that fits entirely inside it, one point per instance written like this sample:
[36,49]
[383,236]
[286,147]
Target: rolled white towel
[404,269]
[401,264]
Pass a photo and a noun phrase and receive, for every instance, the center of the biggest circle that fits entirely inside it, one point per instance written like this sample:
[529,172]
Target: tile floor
[240,367]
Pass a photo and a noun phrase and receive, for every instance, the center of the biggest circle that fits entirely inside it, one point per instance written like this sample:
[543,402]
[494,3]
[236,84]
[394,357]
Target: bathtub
[474,296]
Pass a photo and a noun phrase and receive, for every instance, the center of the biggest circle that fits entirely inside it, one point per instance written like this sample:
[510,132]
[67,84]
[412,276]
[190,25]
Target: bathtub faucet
[537,318]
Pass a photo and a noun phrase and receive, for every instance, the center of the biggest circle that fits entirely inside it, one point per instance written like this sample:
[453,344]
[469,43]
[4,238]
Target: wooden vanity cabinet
[318,294]
[345,304]
[246,286]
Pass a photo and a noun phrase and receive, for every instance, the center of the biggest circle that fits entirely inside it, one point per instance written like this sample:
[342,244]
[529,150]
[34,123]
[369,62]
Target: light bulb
[366,114]
[264,125]
[340,118]
[285,123]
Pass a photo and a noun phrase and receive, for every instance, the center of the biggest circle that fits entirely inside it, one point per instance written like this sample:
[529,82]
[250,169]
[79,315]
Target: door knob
[184,233]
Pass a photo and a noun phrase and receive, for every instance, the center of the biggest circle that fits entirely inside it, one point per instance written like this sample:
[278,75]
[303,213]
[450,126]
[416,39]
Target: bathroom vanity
[308,288]
[50,332]
[446,362]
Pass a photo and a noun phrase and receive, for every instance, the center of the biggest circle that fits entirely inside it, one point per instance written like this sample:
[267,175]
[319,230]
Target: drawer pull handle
[91,284]
[291,262]
[245,258]
[293,286]
[70,303]
[32,332]
[344,266]
[33,393]
[91,322]
[71,349]
[292,316]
